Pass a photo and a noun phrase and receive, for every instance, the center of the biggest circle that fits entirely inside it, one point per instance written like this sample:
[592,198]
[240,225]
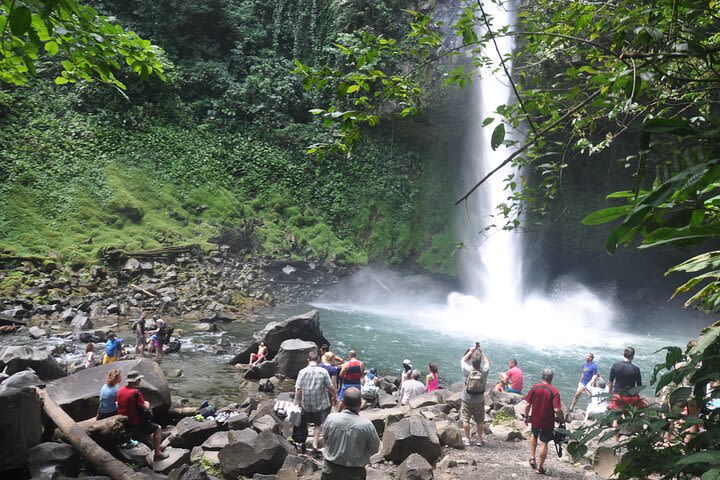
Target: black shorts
[147,428]
[545,435]
[316,418]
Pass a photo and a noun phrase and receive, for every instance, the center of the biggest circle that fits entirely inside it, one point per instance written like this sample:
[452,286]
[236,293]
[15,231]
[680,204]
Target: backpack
[475,382]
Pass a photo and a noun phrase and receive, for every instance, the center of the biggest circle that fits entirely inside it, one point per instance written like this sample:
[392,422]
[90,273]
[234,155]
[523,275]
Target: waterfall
[490,263]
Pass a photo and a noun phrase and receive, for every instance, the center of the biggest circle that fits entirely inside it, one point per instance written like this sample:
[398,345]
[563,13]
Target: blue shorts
[512,390]
[345,386]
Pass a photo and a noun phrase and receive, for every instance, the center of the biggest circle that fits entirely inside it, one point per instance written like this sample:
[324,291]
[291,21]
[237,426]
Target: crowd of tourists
[330,382]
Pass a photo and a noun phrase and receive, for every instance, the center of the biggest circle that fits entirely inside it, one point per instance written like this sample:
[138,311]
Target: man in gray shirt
[315,393]
[350,440]
[411,388]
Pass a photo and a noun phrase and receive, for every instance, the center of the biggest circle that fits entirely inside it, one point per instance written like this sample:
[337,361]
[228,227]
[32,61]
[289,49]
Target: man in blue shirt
[113,349]
[589,371]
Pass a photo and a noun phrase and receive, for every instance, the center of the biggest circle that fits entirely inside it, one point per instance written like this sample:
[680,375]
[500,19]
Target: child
[89,355]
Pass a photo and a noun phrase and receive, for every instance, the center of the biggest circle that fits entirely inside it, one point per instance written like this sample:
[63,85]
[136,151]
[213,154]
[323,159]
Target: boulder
[520,410]
[295,467]
[415,467]
[16,359]
[188,472]
[265,454]
[386,401]
[137,455]
[17,313]
[382,418]
[303,327]
[218,440]
[454,400]
[450,435]
[604,462]
[238,422]
[176,458]
[292,356]
[132,265]
[81,322]
[21,381]
[79,393]
[68,315]
[265,385]
[50,460]
[264,370]
[191,432]
[267,423]
[20,425]
[36,332]
[498,399]
[411,435]
[424,400]
[89,337]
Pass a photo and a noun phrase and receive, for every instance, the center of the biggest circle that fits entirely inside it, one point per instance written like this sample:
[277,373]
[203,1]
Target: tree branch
[530,143]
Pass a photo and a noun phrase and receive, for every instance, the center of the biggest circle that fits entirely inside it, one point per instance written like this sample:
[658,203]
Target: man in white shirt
[598,390]
[411,388]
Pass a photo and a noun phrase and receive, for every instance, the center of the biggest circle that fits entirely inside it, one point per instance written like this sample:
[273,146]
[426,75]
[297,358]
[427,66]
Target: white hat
[407,362]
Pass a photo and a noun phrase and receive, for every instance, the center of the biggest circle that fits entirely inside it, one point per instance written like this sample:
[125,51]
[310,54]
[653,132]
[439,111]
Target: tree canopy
[87,45]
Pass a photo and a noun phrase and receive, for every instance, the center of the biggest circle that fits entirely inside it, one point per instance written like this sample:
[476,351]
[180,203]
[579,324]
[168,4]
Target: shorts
[622,402]
[107,359]
[145,429]
[544,435]
[345,386]
[140,339]
[472,410]
[581,387]
[333,471]
[512,390]
[316,418]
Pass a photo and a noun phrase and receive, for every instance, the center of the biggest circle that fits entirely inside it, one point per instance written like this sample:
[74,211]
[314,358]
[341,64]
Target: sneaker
[130,444]
[479,443]
[466,442]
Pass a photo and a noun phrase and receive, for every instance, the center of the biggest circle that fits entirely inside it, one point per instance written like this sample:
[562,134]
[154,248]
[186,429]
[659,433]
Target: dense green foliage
[219,147]
[87,45]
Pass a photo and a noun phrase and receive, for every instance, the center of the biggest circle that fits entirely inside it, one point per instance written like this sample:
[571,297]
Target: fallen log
[111,252]
[107,432]
[139,289]
[99,459]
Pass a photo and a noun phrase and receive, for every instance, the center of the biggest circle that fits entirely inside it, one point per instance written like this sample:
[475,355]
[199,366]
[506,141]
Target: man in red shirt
[544,400]
[131,403]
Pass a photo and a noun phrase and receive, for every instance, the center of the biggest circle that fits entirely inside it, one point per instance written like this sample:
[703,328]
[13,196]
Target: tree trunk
[108,431]
[101,461]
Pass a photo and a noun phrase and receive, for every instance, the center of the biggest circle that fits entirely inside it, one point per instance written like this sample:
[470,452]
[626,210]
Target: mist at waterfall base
[387,317]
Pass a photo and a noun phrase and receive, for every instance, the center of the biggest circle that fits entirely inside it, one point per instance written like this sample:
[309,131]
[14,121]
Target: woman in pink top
[431,380]
[512,380]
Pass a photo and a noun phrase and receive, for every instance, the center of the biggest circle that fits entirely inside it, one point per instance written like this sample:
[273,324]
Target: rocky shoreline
[248,439]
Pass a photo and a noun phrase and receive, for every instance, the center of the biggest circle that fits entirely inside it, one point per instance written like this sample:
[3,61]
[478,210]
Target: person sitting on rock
[406,371]
[315,394]
[370,391]
[113,349]
[108,395]
[598,390]
[350,440]
[351,373]
[512,380]
[432,382]
[256,358]
[130,402]
[411,388]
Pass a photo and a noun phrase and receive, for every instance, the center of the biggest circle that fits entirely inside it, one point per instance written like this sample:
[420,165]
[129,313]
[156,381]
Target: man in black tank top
[624,377]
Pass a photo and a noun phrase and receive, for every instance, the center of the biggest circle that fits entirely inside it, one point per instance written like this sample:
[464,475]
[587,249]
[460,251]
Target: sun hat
[133,376]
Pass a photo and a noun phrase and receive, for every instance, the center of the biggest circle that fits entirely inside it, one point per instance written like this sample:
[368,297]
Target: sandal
[541,471]
[533,463]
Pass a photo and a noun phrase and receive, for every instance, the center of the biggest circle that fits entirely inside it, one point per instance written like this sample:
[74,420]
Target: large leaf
[710,456]
[498,136]
[20,20]
[698,263]
[666,235]
[606,215]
